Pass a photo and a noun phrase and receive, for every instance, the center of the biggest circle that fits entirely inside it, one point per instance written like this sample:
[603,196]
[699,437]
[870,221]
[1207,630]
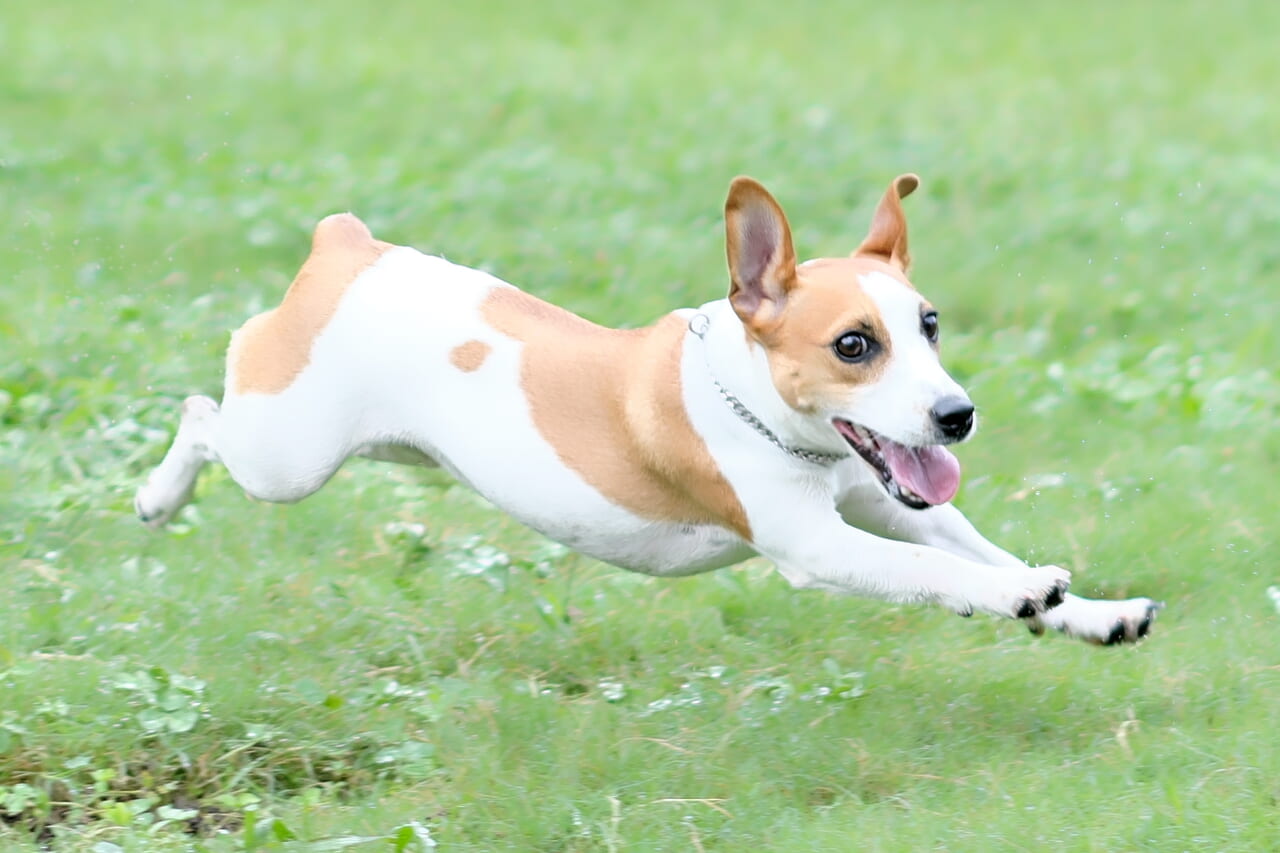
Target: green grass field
[394,661]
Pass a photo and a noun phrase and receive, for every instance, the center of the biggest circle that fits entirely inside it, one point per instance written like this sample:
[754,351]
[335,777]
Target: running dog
[804,418]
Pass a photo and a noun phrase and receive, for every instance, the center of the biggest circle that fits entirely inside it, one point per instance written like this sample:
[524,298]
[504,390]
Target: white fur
[379,383]
[898,405]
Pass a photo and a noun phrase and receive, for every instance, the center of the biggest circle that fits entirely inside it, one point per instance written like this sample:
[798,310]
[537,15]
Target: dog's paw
[156,505]
[1019,594]
[172,484]
[1106,623]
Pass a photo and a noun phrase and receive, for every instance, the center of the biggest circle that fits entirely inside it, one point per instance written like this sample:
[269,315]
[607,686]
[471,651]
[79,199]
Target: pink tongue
[933,472]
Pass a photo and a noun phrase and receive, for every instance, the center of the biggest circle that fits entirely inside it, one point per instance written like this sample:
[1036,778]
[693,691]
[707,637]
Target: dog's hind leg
[295,407]
[278,451]
[170,486]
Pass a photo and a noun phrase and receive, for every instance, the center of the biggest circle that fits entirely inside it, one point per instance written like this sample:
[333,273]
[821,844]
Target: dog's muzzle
[953,417]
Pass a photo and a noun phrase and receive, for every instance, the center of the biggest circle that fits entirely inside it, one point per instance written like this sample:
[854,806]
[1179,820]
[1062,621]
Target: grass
[393,661]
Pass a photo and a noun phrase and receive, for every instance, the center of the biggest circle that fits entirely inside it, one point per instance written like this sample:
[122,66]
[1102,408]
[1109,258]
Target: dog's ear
[887,239]
[762,262]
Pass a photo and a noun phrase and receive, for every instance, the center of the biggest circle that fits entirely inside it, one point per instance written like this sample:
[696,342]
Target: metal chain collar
[698,325]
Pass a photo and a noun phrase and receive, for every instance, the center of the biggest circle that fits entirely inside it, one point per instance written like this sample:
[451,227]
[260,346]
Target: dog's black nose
[954,416]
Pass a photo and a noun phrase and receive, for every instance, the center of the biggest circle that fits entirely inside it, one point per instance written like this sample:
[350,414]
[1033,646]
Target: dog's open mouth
[919,477]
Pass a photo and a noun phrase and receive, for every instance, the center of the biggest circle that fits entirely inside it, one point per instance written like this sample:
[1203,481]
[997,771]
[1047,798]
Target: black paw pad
[1055,596]
[1144,626]
[1116,636]
[1026,610]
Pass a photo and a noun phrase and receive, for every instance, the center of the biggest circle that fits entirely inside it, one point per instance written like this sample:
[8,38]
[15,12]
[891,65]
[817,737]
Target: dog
[805,418]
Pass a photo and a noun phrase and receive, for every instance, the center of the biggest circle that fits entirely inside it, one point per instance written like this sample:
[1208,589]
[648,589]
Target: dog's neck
[742,370]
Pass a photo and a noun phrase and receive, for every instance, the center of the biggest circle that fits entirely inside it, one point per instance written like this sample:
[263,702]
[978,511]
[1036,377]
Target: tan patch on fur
[609,402]
[887,238]
[826,302]
[849,268]
[270,350]
[469,356]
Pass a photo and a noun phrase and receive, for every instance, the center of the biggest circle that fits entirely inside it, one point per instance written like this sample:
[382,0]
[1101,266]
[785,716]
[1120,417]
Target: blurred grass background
[1097,224]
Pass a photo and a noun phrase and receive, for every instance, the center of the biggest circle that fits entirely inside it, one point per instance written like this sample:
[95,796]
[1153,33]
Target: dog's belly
[526,480]
[661,549]
[558,504]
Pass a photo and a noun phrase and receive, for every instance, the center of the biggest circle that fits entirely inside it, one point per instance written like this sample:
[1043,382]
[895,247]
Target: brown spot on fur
[469,356]
[609,402]
[271,349]
[826,302]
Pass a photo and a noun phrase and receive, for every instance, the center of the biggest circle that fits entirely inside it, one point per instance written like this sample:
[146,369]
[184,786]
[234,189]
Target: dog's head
[850,342]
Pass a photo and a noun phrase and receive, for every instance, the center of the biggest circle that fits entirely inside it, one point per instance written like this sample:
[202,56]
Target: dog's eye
[929,325]
[852,346]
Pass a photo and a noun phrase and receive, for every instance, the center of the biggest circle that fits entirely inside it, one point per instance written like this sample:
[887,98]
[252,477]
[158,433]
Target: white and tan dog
[802,419]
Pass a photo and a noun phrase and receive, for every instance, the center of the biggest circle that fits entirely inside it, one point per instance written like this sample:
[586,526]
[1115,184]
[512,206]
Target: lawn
[393,664]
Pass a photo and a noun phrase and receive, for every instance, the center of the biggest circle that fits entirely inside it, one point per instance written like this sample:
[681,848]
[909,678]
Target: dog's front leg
[868,507]
[945,527]
[815,549]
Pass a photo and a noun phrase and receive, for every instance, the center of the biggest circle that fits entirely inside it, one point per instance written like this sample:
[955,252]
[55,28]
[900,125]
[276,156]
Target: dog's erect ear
[887,239]
[762,262]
